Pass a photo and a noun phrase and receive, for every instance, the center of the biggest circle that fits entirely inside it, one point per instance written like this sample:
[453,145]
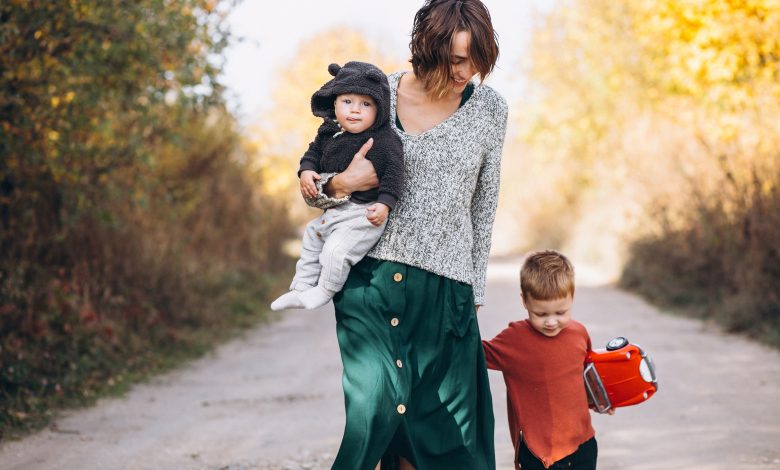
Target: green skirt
[415,381]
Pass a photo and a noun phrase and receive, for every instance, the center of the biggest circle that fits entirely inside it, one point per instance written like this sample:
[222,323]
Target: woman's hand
[377,213]
[308,188]
[359,175]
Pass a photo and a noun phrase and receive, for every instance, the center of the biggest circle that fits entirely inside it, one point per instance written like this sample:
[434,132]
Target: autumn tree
[127,225]
[658,122]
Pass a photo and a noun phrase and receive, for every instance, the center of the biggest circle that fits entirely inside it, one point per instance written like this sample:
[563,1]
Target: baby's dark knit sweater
[329,154]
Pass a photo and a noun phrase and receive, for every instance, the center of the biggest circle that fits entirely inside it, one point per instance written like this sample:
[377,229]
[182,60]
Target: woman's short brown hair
[435,24]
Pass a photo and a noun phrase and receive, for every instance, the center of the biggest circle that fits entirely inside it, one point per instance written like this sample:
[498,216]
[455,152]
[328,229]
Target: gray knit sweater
[444,217]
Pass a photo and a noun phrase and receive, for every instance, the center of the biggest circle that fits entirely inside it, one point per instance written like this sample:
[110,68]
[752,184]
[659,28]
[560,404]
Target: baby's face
[355,113]
[549,317]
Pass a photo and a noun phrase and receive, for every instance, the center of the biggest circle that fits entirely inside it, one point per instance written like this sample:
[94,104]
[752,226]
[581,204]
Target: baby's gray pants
[332,244]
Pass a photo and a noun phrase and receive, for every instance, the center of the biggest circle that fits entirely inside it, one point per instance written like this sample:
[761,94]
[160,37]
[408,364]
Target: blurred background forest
[140,220]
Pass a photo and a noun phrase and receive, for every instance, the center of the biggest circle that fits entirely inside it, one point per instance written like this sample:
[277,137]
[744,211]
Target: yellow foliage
[642,107]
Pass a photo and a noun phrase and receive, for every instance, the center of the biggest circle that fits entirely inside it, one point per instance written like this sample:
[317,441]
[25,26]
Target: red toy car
[621,375]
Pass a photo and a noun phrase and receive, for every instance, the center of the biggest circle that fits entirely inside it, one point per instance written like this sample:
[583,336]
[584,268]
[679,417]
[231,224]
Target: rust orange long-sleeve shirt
[546,398]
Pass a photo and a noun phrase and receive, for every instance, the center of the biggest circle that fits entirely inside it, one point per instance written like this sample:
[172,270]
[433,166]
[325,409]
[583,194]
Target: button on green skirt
[415,381]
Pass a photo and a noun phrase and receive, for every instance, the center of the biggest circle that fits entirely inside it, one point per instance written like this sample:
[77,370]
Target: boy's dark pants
[584,458]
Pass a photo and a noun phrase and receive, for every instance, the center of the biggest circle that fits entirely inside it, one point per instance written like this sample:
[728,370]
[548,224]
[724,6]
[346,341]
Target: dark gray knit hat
[353,77]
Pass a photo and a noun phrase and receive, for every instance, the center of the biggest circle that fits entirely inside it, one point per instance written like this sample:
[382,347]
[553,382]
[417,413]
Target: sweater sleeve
[389,166]
[313,156]
[322,200]
[588,343]
[483,205]
[495,349]
[311,159]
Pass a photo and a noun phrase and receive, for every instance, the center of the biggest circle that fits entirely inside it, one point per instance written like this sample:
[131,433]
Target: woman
[415,382]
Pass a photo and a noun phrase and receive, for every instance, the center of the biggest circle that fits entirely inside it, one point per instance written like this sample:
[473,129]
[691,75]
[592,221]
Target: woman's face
[461,66]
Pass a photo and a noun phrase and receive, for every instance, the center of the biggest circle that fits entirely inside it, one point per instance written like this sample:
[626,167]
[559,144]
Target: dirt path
[272,400]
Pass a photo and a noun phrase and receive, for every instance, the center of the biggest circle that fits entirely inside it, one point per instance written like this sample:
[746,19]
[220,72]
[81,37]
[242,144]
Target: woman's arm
[483,206]
[359,176]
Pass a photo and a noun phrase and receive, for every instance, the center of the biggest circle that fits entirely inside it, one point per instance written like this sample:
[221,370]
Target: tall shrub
[128,225]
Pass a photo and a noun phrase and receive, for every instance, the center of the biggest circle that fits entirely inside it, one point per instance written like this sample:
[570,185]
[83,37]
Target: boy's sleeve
[588,344]
[483,206]
[311,159]
[313,156]
[388,161]
[496,349]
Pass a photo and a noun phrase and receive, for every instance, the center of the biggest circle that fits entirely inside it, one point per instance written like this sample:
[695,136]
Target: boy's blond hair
[547,275]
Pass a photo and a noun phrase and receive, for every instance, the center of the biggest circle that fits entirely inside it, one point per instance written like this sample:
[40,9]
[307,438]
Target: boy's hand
[377,213]
[308,188]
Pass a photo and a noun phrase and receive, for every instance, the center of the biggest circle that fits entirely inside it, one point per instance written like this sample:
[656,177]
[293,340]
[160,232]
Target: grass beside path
[70,369]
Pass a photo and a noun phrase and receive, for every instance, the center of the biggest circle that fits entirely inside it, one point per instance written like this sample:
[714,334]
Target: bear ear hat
[374,75]
[334,69]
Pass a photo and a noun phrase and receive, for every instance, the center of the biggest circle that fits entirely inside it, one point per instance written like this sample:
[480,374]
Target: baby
[355,106]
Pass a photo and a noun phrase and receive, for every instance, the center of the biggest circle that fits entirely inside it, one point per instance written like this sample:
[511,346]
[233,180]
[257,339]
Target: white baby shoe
[288,300]
[314,297]
[309,299]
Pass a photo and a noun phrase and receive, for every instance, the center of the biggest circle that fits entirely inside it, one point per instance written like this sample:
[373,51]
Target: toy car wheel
[617,343]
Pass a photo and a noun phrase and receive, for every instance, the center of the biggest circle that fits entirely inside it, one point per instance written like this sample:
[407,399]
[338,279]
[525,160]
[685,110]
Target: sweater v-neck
[467,92]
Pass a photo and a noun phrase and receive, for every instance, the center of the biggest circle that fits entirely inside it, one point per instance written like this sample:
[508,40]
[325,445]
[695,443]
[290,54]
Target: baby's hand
[308,188]
[377,213]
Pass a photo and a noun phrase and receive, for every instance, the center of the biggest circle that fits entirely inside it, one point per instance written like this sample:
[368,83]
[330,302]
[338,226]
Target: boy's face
[549,317]
[355,113]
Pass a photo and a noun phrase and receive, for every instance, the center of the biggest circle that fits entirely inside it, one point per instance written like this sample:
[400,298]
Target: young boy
[542,359]
[355,107]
